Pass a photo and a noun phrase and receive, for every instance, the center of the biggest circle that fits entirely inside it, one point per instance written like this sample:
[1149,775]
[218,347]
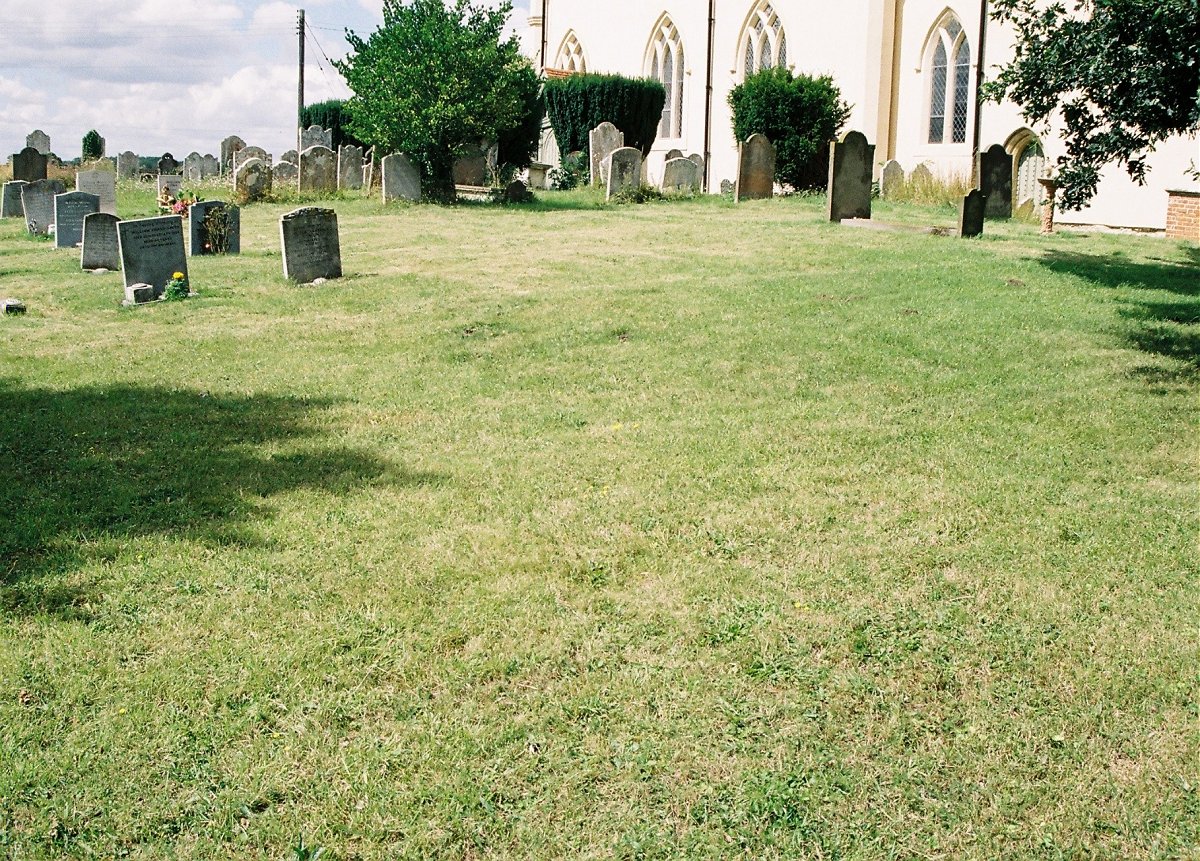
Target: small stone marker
[253,181]
[101,183]
[167,164]
[37,202]
[891,179]
[995,174]
[214,227]
[29,165]
[127,165]
[229,146]
[39,140]
[971,212]
[401,180]
[311,248]
[285,175]
[726,187]
[471,169]
[13,306]
[623,167]
[603,141]
[350,167]
[681,176]
[70,209]
[193,167]
[850,165]
[756,169]
[139,294]
[100,249]
[10,203]
[316,136]
[152,251]
[318,169]
[174,182]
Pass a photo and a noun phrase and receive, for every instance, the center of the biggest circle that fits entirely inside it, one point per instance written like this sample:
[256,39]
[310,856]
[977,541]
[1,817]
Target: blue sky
[154,76]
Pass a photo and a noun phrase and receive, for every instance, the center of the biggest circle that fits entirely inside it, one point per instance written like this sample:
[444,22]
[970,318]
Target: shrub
[575,170]
[93,146]
[800,114]
[517,146]
[579,103]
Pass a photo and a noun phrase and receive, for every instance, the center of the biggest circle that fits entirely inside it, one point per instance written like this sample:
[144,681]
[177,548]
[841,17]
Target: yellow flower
[178,276]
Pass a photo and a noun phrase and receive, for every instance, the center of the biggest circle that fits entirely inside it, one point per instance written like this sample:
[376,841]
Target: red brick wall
[1183,215]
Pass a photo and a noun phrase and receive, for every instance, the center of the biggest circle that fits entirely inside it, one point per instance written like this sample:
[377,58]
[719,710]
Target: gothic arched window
[949,55]
[664,59]
[763,43]
[570,55]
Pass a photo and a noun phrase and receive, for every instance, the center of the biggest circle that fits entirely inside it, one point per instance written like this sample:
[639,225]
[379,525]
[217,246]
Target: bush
[517,146]
[93,146]
[578,104]
[331,115]
[575,170]
[638,194]
[800,114]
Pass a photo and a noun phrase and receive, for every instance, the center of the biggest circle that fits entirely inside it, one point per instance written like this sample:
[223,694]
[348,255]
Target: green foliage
[217,229]
[574,171]
[177,288]
[1120,75]
[330,114]
[93,146]
[435,81]
[518,143]
[800,115]
[578,104]
[638,194]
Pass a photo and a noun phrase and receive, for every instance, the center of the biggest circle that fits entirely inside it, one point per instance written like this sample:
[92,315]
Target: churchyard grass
[681,530]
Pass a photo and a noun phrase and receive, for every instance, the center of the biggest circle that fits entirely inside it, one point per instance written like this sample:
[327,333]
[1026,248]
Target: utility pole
[300,84]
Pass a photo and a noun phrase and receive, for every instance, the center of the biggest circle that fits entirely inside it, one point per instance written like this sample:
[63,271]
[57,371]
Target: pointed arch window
[665,62]
[949,54]
[570,55]
[764,42]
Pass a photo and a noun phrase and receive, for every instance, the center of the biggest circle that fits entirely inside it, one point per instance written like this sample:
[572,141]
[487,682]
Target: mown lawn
[665,531]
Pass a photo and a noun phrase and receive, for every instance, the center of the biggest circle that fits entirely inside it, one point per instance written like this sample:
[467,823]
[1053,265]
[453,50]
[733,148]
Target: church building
[908,68]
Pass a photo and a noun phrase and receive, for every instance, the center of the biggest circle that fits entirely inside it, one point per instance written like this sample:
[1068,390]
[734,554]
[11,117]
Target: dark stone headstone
[70,209]
[971,212]
[401,180]
[168,165]
[29,165]
[37,202]
[851,163]
[756,169]
[152,251]
[517,192]
[10,204]
[214,227]
[995,170]
[311,247]
[100,248]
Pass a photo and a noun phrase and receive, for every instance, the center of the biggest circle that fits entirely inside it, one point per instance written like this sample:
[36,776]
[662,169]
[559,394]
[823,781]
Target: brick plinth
[1183,215]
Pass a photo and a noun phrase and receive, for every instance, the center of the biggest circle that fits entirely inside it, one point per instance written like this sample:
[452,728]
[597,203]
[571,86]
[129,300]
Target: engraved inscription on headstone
[100,250]
[152,251]
[70,209]
[171,181]
[311,248]
[214,227]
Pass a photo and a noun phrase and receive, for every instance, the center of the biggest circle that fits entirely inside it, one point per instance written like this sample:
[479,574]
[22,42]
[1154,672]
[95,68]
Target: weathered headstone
[316,136]
[603,141]
[209,166]
[193,167]
[539,175]
[10,204]
[100,249]
[168,165]
[285,175]
[101,183]
[291,156]
[311,248]
[29,165]
[699,162]
[623,167]
[350,167]
[70,208]
[471,169]
[318,169]
[994,172]
[253,180]
[517,192]
[891,179]
[971,212]
[229,146]
[756,169]
[921,176]
[39,140]
[174,182]
[727,187]
[246,153]
[152,251]
[127,165]
[214,227]
[37,202]
[672,153]
[851,163]
[401,180]
[682,176]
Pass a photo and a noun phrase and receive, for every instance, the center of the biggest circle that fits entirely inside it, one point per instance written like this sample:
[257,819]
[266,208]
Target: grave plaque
[127,165]
[681,176]
[603,141]
[229,146]
[70,209]
[350,167]
[37,202]
[994,171]
[316,136]
[971,212]
[756,169]
[318,169]
[214,227]
[152,251]
[851,163]
[10,204]
[253,180]
[401,180]
[891,180]
[172,182]
[168,165]
[624,171]
[100,249]
[29,165]
[39,140]
[101,183]
[311,248]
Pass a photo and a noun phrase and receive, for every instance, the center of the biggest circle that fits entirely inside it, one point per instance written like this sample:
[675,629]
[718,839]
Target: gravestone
[318,169]
[10,204]
[851,162]
[214,227]
[682,176]
[994,171]
[127,165]
[350,167]
[603,141]
[726,187]
[29,165]
[246,153]
[229,146]
[209,166]
[285,175]
[168,165]
[698,160]
[471,169]
[253,180]
[673,153]
[70,209]
[37,202]
[101,183]
[291,156]
[517,192]
[193,167]
[152,251]
[316,136]
[921,175]
[891,179]
[174,182]
[311,248]
[401,180]
[100,249]
[756,169]
[38,140]
[971,212]
[623,167]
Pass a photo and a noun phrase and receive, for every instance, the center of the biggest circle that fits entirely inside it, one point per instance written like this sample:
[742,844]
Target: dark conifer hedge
[578,104]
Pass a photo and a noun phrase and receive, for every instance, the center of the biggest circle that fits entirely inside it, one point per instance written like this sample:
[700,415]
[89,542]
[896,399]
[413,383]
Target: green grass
[563,531]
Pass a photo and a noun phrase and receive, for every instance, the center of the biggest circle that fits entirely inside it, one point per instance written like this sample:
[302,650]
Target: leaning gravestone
[229,146]
[127,165]
[253,180]
[350,167]
[318,169]
[284,175]
[100,249]
[152,251]
[311,248]
[10,204]
[101,183]
[756,169]
[316,136]
[971,212]
[193,167]
[39,140]
[995,174]
[173,182]
[401,181]
[214,227]
[471,169]
[70,209]
[851,163]
[37,202]
[29,165]
[168,165]
[603,141]
[623,167]
[682,176]
[891,179]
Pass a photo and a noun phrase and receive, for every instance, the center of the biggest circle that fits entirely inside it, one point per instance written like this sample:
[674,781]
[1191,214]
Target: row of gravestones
[316,169]
[991,199]
[606,148]
[98,183]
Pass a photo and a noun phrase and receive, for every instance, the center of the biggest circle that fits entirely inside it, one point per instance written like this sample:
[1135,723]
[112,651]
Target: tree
[435,81]
[93,146]
[1119,75]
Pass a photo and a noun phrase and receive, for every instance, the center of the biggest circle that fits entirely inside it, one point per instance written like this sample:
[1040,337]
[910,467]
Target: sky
[156,76]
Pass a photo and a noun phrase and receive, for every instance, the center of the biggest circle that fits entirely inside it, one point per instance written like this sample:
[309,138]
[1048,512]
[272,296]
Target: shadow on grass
[82,468]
